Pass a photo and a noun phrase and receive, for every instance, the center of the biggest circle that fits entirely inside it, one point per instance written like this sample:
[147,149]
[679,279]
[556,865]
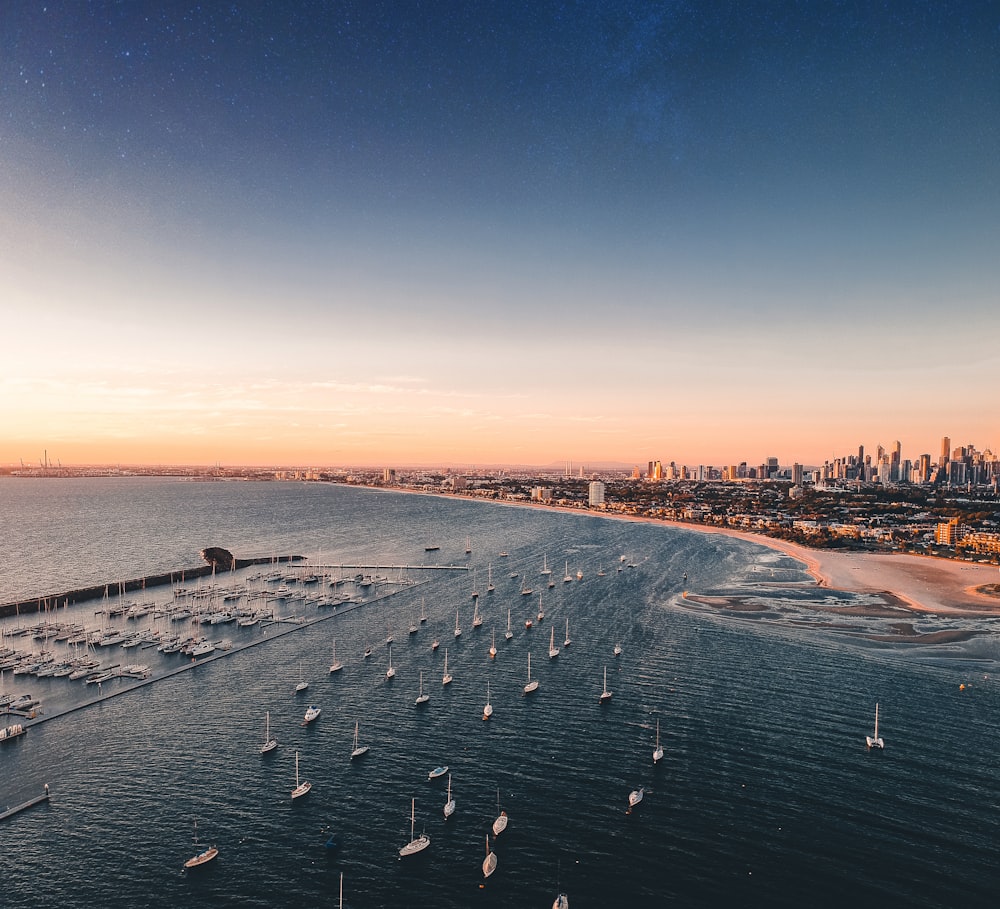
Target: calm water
[766,794]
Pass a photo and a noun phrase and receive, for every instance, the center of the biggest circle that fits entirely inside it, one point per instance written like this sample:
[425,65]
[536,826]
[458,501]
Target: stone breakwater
[178,576]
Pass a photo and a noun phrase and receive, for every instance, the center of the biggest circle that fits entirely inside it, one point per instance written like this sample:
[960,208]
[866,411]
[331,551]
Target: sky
[447,233]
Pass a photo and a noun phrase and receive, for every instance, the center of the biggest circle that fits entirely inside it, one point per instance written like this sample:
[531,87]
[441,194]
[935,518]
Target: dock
[24,806]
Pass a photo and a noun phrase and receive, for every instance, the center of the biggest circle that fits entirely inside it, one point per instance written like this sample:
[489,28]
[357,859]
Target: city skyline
[497,235]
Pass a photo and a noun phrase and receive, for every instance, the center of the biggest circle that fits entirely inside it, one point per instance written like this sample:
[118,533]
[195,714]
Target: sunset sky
[514,232]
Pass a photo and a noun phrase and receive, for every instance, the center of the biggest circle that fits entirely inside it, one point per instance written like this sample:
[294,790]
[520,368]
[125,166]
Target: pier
[24,806]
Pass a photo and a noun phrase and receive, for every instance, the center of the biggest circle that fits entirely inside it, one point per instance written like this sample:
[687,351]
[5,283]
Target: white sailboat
[541,612]
[567,642]
[553,650]
[489,578]
[567,577]
[446,678]
[658,750]
[875,741]
[391,671]
[458,631]
[477,619]
[500,824]
[488,709]
[449,806]
[422,698]
[493,644]
[416,843]
[336,665]
[532,683]
[545,566]
[605,694]
[200,858]
[358,749]
[634,797]
[300,788]
[508,634]
[269,743]
[490,862]
[423,612]
[561,902]
[303,684]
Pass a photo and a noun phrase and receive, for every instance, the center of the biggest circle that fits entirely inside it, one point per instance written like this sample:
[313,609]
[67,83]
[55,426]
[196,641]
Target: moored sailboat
[605,694]
[875,741]
[359,750]
[500,824]
[200,858]
[532,684]
[300,788]
[488,709]
[658,750]
[553,650]
[446,678]
[416,843]
[269,744]
[490,862]
[449,806]
[422,698]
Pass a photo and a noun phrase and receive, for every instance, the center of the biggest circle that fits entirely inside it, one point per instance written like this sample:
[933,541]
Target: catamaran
[875,741]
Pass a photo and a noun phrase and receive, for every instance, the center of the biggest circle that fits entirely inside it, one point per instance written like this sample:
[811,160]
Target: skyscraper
[945,451]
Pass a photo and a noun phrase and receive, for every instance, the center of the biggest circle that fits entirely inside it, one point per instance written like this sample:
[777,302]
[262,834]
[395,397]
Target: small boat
[567,577]
[449,806]
[567,642]
[458,631]
[390,672]
[431,548]
[303,684]
[553,650]
[493,644]
[508,634]
[561,902]
[422,698]
[605,694]
[269,743]
[367,653]
[532,683]
[200,858]
[312,713]
[658,750]
[490,862]
[435,644]
[477,619]
[528,623]
[413,627]
[634,797]
[446,678]
[504,554]
[418,843]
[500,824]
[359,750]
[300,788]
[875,741]
[618,650]
[579,574]
[437,771]
[541,612]
[526,591]
[336,665]
[488,709]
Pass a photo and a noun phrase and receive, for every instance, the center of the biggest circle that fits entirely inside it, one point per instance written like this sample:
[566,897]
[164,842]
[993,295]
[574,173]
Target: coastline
[923,584]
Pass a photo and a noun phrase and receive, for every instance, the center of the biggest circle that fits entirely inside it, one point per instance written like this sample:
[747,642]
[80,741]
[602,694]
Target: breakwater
[96,591]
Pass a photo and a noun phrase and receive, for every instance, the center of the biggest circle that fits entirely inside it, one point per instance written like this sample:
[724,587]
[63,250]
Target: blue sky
[509,232]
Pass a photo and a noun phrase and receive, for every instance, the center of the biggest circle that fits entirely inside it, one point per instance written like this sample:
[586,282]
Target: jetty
[24,806]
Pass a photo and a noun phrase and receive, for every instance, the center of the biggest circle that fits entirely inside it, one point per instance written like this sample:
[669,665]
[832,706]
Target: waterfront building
[596,493]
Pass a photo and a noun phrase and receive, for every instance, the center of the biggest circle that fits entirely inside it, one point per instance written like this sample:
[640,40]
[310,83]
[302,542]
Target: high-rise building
[596,493]
[797,474]
[945,451]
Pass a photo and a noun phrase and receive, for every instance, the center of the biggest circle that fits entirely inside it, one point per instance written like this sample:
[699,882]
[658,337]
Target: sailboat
[875,741]
[561,902]
[541,612]
[508,634]
[477,619]
[416,844]
[553,650]
[493,644]
[269,743]
[446,678]
[658,750]
[526,591]
[532,683]
[358,749]
[567,642]
[458,631]
[634,797]
[500,824]
[605,695]
[391,671]
[303,684]
[488,709]
[422,698]
[200,858]
[468,545]
[567,577]
[449,806]
[336,665]
[300,788]
[490,862]
[423,611]
[489,578]
[545,566]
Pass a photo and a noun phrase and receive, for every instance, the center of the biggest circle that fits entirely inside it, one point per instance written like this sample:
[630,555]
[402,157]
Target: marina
[712,693]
